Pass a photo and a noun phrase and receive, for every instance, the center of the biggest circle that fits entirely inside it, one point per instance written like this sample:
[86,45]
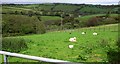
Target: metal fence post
[5,59]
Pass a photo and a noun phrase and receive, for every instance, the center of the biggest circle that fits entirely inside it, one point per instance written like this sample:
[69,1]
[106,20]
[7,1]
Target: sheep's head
[74,37]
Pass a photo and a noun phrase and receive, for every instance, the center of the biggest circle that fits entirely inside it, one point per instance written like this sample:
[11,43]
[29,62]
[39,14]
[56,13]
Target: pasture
[88,48]
[38,26]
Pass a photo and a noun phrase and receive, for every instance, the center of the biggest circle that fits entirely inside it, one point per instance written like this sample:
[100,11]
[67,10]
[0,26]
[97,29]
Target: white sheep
[94,33]
[71,46]
[72,39]
[83,32]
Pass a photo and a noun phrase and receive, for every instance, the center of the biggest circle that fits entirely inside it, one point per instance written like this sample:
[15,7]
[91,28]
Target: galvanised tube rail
[31,57]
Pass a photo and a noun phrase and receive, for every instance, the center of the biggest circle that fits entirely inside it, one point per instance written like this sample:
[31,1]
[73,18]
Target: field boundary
[32,58]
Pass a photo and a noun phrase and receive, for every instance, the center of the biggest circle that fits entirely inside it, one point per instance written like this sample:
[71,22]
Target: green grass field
[66,7]
[88,48]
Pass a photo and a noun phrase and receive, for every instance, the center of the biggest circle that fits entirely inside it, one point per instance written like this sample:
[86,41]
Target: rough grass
[0,59]
[88,48]
[86,18]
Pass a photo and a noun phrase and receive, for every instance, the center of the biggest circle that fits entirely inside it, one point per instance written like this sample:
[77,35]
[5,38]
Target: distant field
[43,18]
[94,9]
[7,9]
[88,48]
[46,18]
[66,7]
[86,18]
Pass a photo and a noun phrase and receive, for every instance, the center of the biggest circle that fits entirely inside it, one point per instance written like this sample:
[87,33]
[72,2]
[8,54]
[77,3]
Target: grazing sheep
[72,39]
[71,46]
[94,33]
[83,32]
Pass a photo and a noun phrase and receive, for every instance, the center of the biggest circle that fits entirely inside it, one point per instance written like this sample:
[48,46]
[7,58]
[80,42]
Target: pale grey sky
[104,2]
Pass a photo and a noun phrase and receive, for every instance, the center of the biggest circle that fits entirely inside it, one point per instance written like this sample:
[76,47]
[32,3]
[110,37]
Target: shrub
[82,24]
[40,28]
[114,54]
[13,44]
[100,20]
[92,22]
[118,42]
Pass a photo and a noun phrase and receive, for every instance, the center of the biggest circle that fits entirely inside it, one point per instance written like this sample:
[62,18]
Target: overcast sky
[103,2]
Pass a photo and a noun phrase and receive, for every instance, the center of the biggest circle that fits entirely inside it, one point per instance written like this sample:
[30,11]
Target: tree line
[13,25]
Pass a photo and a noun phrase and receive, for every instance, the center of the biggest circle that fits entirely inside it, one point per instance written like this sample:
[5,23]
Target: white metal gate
[32,58]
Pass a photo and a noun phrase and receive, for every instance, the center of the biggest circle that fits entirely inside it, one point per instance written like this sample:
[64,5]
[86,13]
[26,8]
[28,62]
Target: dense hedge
[13,25]
[114,54]
[13,44]
[101,20]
